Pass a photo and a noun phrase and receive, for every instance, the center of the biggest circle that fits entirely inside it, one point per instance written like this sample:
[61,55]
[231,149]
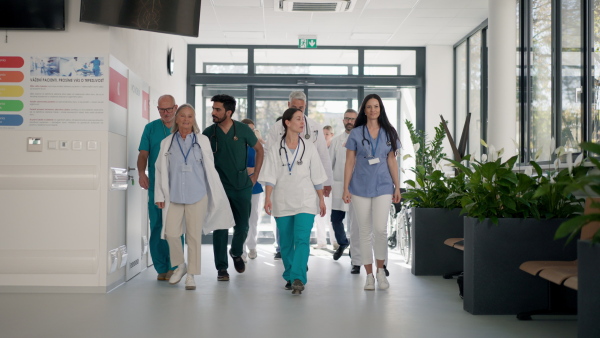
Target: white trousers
[371,216]
[250,243]
[353,235]
[323,224]
[194,215]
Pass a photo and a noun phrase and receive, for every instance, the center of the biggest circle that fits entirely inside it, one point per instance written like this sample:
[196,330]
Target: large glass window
[305,61]
[541,79]
[460,85]
[595,72]
[222,60]
[571,73]
[475,58]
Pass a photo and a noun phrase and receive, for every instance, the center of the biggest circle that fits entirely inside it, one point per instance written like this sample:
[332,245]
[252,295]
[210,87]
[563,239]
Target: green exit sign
[307,43]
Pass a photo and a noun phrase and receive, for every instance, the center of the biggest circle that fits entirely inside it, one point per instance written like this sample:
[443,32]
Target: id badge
[186,168]
[373,160]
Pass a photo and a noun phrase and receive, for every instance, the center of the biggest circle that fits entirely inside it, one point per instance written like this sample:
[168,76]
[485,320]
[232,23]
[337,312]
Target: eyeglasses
[165,110]
[350,118]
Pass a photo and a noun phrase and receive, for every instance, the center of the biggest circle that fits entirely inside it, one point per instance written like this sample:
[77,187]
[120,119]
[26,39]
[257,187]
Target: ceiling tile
[237,3]
[434,13]
[385,4]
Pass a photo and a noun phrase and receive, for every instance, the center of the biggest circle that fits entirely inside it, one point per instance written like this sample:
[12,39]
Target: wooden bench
[456,243]
[560,272]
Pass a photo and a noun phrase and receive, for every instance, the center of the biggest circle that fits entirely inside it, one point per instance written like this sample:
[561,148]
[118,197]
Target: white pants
[322,224]
[253,224]
[371,216]
[353,236]
[194,220]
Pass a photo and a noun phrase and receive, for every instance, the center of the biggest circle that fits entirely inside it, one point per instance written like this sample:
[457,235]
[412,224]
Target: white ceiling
[371,23]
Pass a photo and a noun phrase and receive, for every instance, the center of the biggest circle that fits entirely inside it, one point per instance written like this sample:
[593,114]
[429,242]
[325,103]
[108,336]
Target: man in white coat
[313,132]
[339,209]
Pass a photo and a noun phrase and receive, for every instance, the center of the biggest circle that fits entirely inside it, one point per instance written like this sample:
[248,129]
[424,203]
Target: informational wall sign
[53,92]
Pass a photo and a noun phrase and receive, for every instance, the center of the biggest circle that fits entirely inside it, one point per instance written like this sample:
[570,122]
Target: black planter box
[588,297]
[430,227]
[493,282]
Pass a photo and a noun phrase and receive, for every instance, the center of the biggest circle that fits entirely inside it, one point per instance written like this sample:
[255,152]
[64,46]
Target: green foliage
[427,152]
[430,187]
[590,184]
[493,190]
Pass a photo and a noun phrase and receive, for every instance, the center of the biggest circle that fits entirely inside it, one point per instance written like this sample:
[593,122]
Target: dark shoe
[288,285]
[222,276]
[387,273]
[297,287]
[355,269]
[339,252]
[238,263]
[277,256]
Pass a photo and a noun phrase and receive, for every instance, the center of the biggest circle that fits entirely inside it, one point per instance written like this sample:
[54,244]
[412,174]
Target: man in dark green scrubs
[229,139]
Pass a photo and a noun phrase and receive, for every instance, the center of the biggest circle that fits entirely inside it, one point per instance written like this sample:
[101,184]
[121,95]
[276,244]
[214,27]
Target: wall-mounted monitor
[181,17]
[32,14]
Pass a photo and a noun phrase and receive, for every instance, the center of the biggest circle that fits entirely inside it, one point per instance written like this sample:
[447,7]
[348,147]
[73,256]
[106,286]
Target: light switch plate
[34,144]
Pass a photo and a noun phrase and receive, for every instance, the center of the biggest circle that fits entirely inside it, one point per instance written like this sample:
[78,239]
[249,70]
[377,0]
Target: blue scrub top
[370,180]
[186,186]
[257,188]
[154,133]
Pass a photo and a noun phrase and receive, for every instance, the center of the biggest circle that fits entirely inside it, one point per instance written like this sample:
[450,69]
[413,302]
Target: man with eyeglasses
[154,133]
[337,153]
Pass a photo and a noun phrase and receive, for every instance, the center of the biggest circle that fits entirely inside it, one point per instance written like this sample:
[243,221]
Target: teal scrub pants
[294,235]
[159,248]
[241,204]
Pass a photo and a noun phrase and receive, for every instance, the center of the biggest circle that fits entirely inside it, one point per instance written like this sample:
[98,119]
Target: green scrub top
[231,155]
[154,133]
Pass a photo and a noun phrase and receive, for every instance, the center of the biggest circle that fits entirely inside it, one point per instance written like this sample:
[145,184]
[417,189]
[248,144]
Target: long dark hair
[287,116]
[383,121]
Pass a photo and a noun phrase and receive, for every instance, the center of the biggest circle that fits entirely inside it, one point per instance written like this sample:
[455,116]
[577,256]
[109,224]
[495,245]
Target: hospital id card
[186,168]
[373,160]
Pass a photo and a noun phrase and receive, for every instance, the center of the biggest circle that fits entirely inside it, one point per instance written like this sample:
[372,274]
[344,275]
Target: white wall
[81,227]
[439,91]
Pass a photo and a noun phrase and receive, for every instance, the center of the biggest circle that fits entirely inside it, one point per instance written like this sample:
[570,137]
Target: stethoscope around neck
[388,143]
[194,142]
[214,135]
[282,146]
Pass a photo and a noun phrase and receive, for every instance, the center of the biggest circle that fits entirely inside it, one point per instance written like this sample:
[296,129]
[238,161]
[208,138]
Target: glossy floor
[255,304]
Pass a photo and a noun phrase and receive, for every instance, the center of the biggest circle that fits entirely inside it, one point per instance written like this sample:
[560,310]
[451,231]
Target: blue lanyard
[185,156]
[290,166]
[374,150]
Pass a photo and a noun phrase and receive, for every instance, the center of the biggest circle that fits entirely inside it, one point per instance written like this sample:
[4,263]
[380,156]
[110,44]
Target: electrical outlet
[122,256]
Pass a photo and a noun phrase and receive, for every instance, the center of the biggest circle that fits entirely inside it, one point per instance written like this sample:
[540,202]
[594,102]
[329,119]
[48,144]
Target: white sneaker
[335,246]
[382,279]
[190,283]
[178,274]
[320,246]
[370,284]
[252,254]
[245,258]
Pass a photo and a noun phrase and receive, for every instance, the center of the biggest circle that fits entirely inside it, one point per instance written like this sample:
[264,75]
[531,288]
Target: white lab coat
[219,214]
[316,137]
[337,153]
[293,194]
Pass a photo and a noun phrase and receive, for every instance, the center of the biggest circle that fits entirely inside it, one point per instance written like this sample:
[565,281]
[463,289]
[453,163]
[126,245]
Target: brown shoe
[162,276]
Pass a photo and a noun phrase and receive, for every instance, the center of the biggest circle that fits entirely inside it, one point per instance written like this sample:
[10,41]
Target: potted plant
[588,250]
[433,218]
[511,218]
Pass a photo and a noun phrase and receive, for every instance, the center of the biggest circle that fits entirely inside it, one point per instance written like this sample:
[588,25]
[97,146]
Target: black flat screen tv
[32,14]
[181,17]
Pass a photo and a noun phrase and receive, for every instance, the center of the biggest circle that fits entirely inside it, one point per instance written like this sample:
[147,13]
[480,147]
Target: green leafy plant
[589,184]
[429,188]
[427,154]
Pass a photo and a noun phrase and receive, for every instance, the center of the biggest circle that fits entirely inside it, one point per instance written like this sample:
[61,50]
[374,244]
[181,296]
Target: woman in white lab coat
[293,177]
[188,186]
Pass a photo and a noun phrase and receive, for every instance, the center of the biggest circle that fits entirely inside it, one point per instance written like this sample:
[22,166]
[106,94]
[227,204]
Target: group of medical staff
[212,181]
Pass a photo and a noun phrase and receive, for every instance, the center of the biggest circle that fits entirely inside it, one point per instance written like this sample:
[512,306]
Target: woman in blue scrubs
[371,183]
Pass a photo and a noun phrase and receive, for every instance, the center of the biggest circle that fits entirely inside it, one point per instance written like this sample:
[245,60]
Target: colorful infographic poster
[53,92]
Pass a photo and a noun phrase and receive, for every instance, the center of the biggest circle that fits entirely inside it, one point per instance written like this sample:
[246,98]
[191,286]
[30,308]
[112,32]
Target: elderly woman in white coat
[188,187]
[293,176]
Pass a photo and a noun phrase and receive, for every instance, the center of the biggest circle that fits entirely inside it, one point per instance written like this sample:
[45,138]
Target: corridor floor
[255,304]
